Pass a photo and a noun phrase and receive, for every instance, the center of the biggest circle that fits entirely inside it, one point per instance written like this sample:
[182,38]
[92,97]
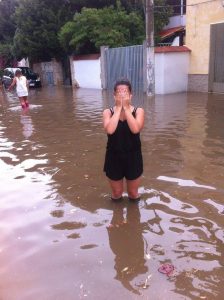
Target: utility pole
[182,12]
[150,56]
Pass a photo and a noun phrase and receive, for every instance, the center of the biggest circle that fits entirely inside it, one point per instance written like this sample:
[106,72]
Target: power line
[173,5]
[162,12]
[185,5]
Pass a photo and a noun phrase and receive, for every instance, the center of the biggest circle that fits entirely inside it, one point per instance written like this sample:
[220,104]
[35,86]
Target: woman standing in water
[21,88]
[123,123]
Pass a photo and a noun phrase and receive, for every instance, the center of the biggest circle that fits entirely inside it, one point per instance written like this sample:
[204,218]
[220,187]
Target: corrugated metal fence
[124,62]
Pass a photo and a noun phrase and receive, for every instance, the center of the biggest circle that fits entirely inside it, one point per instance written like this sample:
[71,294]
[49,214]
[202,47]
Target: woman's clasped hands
[123,99]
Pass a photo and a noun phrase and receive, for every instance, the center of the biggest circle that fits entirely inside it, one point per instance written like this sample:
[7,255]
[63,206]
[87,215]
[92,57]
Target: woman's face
[122,90]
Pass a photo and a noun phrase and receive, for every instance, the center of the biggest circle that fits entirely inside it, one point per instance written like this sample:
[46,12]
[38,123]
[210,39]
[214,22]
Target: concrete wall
[86,73]
[198,83]
[72,68]
[176,21]
[199,19]
[171,72]
[47,70]
[23,62]
[58,72]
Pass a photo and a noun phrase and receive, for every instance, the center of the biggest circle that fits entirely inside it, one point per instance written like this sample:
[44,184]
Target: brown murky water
[61,237]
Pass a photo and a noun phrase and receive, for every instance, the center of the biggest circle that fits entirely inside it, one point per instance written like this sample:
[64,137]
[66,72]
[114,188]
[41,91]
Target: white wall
[159,73]
[23,62]
[87,73]
[171,72]
[176,41]
[176,21]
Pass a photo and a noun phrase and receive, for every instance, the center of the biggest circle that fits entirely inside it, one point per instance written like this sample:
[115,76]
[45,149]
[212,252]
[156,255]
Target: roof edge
[170,49]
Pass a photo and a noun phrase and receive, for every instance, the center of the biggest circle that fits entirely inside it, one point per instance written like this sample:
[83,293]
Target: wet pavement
[62,238]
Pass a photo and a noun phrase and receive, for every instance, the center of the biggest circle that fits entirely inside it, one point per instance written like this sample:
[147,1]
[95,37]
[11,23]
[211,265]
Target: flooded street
[62,238]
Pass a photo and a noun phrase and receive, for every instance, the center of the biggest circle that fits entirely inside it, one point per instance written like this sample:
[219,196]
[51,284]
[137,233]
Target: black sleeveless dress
[123,154]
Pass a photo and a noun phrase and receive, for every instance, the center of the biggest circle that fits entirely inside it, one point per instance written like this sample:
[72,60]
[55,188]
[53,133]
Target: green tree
[7,23]
[162,12]
[38,23]
[7,30]
[95,27]
[77,5]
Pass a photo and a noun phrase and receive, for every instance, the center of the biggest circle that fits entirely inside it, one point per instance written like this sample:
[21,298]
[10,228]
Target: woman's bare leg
[26,101]
[132,188]
[22,102]
[117,188]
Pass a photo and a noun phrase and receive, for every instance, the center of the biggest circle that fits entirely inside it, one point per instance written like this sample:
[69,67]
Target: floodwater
[62,238]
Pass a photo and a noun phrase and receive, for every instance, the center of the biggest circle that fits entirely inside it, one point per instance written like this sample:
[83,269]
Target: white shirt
[21,87]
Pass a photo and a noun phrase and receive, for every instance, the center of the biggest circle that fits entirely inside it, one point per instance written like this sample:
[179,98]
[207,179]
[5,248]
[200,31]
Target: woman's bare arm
[110,122]
[12,84]
[135,124]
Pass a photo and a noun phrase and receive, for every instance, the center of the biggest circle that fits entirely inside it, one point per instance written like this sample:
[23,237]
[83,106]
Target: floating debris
[110,226]
[125,269]
[148,256]
[83,292]
[145,286]
[117,225]
[167,269]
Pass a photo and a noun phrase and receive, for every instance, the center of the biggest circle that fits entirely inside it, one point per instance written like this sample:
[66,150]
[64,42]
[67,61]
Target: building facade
[205,38]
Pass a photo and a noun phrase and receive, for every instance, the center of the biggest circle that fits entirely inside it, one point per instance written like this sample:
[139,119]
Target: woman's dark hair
[123,81]
[18,72]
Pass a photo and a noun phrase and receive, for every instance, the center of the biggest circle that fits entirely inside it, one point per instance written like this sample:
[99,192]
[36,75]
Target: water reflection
[26,121]
[165,125]
[215,121]
[127,243]
[183,182]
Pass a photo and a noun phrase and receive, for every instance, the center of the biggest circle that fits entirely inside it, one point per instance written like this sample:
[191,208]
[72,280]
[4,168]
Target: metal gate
[124,62]
[49,78]
[216,67]
[47,73]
